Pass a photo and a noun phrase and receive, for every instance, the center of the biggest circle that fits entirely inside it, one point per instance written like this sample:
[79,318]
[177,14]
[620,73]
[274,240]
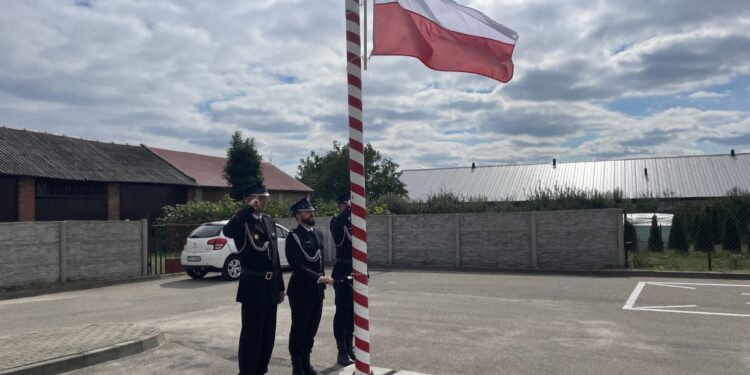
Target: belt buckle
[269,275]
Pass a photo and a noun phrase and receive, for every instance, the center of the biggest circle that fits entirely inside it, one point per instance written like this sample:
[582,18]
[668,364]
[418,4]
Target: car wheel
[232,268]
[196,273]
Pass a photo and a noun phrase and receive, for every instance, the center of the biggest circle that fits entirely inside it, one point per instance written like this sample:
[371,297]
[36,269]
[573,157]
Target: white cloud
[185,75]
[707,95]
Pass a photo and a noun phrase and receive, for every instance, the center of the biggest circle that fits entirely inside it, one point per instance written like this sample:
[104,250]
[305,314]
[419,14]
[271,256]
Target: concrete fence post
[144,247]
[63,251]
[534,252]
[389,236]
[457,218]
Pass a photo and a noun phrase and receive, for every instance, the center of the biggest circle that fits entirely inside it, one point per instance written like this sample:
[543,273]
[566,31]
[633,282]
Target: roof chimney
[732,152]
[645,171]
[554,163]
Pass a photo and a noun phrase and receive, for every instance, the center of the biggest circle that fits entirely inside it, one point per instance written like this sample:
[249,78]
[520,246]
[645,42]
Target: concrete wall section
[29,253]
[104,250]
[580,239]
[496,240]
[424,240]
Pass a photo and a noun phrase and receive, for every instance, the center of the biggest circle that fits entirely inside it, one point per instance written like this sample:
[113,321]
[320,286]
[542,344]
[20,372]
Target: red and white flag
[444,36]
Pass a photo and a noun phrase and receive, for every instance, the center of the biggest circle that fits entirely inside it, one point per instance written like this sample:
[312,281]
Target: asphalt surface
[436,323]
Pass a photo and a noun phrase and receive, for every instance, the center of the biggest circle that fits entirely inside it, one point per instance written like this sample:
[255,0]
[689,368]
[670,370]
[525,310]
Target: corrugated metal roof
[208,171]
[676,177]
[27,153]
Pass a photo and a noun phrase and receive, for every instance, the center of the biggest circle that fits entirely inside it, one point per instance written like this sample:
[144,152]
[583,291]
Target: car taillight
[218,243]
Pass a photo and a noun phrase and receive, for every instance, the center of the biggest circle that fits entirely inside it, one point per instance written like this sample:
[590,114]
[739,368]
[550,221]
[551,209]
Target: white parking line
[665,307]
[672,286]
[630,303]
[634,296]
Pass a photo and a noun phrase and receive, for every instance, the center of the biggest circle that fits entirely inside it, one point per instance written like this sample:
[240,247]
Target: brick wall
[26,199]
[113,201]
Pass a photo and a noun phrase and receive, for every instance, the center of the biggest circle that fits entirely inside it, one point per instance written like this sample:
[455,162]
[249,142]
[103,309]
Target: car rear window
[205,231]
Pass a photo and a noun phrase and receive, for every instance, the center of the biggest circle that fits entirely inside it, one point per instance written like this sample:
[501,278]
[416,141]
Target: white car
[208,250]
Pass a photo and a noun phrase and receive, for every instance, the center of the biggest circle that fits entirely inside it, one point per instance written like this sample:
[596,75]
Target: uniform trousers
[257,338]
[306,313]
[343,319]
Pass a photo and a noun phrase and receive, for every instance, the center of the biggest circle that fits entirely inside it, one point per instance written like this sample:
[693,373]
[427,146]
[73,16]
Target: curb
[88,358]
[588,273]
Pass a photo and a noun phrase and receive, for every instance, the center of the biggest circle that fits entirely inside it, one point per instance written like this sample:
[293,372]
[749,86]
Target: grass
[671,260]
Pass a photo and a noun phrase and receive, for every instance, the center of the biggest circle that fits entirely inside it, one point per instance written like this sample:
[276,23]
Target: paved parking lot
[438,323]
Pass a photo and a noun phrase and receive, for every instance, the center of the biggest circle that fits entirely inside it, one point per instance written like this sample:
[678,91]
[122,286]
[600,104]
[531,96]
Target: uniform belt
[268,275]
[344,260]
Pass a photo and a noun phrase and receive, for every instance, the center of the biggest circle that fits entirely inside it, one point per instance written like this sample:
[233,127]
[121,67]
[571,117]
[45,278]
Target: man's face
[307,218]
[342,206]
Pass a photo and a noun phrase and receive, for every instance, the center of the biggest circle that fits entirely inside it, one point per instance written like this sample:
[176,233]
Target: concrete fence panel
[29,253]
[424,240]
[496,240]
[104,250]
[579,239]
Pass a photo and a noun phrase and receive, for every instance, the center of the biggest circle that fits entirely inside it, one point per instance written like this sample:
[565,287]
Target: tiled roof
[34,154]
[674,177]
[208,171]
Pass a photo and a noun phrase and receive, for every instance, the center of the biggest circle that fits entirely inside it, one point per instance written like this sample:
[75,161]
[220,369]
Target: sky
[594,80]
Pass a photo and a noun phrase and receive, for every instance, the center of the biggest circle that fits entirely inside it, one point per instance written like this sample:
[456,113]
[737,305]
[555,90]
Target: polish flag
[444,36]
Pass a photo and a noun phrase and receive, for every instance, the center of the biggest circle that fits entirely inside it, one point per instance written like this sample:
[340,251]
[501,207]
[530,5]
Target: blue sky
[593,80]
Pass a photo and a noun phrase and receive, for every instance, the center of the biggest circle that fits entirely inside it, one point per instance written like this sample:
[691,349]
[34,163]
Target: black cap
[258,189]
[302,205]
[343,198]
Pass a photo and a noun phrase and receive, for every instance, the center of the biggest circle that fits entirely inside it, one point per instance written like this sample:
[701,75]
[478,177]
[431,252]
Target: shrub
[731,240]
[677,236]
[630,237]
[703,239]
[655,242]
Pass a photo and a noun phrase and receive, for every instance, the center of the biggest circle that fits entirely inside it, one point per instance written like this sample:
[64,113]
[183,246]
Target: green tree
[655,242]
[703,239]
[677,236]
[630,237]
[716,226]
[328,174]
[731,240]
[244,163]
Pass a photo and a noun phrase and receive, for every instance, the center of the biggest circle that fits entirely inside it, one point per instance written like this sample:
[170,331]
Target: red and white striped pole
[357,184]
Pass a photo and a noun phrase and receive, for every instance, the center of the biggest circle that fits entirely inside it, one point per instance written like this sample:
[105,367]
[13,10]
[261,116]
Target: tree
[677,236]
[630,236]
[716,227]
[243,168]
[731,240]
[655,242]
[328,174]
[703,239]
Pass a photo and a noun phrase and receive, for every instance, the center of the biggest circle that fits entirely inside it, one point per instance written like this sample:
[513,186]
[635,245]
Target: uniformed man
[304,251]
[261,287]
[343,320]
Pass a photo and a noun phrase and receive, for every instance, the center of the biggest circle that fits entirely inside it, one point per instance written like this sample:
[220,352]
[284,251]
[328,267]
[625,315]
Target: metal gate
[165,244]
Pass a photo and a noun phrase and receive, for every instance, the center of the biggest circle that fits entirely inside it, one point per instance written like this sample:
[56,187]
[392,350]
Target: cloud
[707,95]
[186,75]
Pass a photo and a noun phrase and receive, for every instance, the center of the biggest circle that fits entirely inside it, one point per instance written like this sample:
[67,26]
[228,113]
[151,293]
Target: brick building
[208,170]
[52,177]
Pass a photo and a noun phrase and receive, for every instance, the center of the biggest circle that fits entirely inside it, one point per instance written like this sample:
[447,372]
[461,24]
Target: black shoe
[297,368]
[350,348]
[306,366]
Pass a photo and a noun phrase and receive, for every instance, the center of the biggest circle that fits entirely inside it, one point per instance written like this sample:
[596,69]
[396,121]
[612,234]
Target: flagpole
[357,186]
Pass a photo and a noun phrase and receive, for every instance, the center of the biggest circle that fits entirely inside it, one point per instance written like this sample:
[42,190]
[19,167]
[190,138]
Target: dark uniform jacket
[254,288]
[306,258]
[341,230]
